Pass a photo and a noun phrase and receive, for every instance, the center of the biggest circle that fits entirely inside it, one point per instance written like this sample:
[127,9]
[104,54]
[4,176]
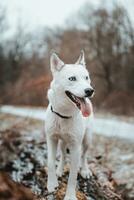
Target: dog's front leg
[60,167]
[85,171]
[52,182]
[75,162]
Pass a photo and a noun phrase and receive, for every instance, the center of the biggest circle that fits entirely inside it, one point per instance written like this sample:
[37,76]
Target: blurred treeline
[106,35]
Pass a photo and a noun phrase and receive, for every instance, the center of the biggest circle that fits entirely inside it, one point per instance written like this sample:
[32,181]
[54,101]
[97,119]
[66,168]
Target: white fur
[74,133]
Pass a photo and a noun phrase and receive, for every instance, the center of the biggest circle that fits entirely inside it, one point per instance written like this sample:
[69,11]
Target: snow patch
[35,113]
[112,127]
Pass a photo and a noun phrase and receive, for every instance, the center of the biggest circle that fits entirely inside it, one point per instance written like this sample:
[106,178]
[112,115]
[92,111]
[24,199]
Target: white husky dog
[68,121]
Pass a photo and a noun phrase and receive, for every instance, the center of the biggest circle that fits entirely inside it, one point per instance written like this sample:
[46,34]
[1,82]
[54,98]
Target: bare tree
[3,28]
[110,36]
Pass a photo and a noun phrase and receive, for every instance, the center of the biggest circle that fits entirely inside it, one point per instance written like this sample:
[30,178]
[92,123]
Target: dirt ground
[24,158]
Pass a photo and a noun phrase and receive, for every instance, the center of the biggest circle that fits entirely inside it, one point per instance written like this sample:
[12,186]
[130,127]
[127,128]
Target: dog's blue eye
[72,78]
[87,77]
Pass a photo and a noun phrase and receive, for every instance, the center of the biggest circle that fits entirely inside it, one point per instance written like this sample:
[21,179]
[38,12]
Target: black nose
[89,92]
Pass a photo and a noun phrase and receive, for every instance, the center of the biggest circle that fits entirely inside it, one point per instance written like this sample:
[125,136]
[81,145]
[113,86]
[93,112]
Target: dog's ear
[56,63]
[81,59]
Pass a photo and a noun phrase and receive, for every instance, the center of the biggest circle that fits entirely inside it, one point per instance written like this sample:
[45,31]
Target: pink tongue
[86,108]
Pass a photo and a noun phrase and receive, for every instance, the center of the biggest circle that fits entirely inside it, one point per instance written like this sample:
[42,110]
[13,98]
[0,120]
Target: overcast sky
[36,13]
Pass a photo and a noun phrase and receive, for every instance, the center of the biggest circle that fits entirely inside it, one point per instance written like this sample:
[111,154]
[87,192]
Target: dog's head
[73,81]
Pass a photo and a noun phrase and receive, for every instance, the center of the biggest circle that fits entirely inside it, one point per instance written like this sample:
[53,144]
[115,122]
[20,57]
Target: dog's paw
[70,197]
[59,172]
[86,173]
[52,185]
[60,167]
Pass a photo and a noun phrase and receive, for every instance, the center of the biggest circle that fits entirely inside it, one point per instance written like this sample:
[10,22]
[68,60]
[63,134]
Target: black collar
[62,116]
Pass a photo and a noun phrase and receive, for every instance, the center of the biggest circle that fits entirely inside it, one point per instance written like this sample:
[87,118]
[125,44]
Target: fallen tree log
[99,187]
[24,161]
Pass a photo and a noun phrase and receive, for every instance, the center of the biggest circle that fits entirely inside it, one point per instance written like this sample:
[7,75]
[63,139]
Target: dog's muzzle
[83,104]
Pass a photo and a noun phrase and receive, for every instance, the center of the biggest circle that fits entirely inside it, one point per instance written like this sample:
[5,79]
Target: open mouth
[83,104]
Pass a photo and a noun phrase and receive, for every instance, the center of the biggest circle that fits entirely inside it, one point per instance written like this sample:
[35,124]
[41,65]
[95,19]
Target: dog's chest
[62,127]
[67,129]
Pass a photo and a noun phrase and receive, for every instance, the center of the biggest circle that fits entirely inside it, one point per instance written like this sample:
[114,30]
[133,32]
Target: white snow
[35,113]
[113,126]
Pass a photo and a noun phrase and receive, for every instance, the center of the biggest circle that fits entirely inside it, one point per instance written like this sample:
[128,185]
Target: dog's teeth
[74,98]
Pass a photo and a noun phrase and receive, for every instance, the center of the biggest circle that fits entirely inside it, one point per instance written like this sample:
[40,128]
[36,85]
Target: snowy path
[35,113]
[109,127]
